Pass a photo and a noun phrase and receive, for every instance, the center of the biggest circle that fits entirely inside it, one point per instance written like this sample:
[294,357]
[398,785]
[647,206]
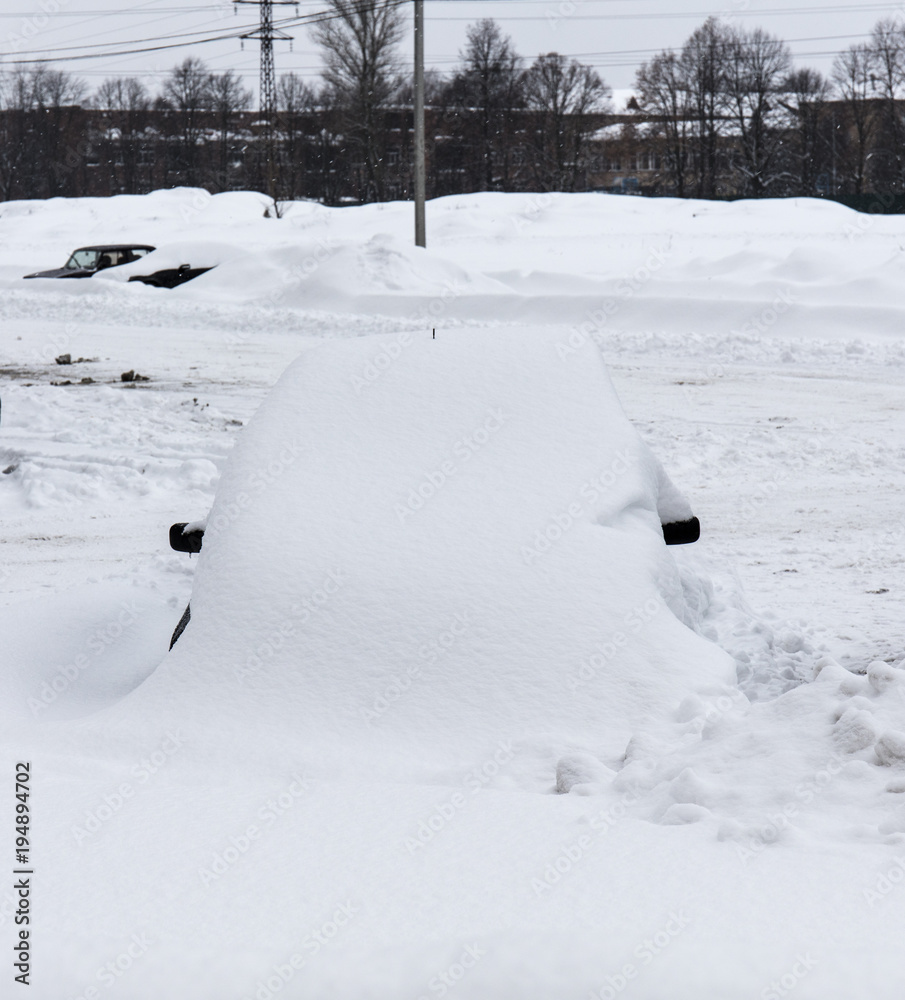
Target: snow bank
[773,268]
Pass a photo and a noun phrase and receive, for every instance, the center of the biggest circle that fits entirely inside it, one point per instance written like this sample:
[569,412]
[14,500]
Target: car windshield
[92,260]
[83,258]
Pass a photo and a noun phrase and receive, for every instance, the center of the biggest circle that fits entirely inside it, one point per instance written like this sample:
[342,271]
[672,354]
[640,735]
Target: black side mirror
[682,532]
[185,541]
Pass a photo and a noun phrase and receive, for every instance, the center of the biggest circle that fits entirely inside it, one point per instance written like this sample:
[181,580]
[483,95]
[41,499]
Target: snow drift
[786,268]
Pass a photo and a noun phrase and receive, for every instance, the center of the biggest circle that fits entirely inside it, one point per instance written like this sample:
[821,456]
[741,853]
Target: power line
[232,33]
[177,40]
[202,9]
[453,59]
[140,9]
[113,55]
[697,15]
[303,20]
[103,13]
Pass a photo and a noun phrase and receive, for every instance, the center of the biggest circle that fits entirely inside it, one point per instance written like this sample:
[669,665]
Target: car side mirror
[681,532]
[185,541]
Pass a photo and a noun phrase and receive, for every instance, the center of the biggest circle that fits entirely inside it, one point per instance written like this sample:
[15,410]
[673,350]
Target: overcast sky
[615,36]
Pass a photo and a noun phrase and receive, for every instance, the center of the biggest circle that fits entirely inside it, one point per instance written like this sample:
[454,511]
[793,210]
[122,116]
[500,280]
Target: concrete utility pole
[420,234]
[266,33]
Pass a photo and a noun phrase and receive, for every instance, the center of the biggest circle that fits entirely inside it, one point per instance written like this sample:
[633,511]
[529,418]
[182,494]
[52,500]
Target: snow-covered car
[471,521]
[87,261]
[175,263]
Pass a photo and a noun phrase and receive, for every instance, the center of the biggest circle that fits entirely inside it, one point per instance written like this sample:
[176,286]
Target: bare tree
[663,93]
[485,93]
[755,66]
[360,69]
[887,77]
[227,99]
[45,142]
[563,93]
[297,104]
[53,88]
[15,102]
[807,150]
[186,94]
[125,101]
[702,62]
[852,77]
[294,96]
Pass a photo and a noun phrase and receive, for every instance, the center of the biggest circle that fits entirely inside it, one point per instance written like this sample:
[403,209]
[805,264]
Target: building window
[647,160]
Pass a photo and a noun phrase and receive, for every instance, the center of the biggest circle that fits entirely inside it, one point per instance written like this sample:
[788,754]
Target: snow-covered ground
[751,843]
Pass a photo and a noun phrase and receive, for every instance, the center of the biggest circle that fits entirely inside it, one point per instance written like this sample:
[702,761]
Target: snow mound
[763,773]
[73,653]
[196,253]
[434,548]
[324,273]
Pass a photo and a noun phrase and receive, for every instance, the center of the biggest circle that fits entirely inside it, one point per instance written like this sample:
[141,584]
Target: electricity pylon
[266,34]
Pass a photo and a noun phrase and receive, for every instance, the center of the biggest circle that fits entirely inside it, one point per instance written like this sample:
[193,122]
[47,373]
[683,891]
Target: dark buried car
[87,261]
[170,277]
